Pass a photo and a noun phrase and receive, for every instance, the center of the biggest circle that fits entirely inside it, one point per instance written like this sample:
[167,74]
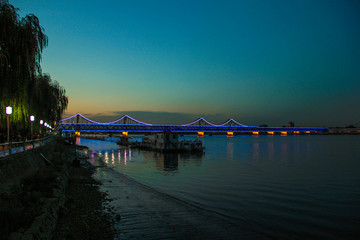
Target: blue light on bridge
[141,127]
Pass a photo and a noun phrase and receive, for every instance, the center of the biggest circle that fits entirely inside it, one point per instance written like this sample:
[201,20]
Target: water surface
[292,187]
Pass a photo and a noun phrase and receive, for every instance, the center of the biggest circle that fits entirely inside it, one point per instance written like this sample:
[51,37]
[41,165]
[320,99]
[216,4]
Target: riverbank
[43,196]
[83,216]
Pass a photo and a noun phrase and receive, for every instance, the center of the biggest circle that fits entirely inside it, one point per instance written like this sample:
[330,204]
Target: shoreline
[84,215]
[54,199]
[147,213]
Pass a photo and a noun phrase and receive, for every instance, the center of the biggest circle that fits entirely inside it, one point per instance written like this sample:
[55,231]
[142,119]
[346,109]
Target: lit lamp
[41,123]
[8,113]
[32,118]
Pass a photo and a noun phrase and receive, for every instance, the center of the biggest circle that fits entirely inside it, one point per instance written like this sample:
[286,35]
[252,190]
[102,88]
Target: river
[281,187]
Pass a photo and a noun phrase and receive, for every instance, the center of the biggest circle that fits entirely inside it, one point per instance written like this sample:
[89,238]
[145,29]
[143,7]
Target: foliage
[23,86]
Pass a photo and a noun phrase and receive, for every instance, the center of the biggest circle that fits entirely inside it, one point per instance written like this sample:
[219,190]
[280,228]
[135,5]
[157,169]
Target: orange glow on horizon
[283,133]
[256,133]
[125,134]
[200,134]
[271,133]
[230,134]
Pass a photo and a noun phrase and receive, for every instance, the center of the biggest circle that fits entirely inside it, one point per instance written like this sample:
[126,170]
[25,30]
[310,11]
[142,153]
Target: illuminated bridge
[127,124]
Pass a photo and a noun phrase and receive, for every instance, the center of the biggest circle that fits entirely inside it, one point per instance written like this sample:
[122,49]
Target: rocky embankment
[42,196]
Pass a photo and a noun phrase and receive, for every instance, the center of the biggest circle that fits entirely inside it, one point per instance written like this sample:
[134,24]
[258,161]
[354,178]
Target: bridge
[126,124]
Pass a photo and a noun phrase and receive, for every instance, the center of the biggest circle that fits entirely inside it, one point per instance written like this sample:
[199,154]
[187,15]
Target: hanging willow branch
[23,86]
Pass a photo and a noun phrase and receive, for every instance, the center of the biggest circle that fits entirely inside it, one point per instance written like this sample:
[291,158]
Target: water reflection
[167,161]
[230,151]
[125,156]
[259,150]
[92,156]
[271,150]
[130,160]
[256,152]
[106,157]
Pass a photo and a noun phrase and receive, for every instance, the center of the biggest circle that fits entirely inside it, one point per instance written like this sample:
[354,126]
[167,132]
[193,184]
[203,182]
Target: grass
[19,208]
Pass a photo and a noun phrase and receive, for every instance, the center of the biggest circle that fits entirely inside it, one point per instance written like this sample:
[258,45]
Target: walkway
[16,147]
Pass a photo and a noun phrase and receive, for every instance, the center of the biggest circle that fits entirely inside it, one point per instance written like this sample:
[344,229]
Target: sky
[257,61]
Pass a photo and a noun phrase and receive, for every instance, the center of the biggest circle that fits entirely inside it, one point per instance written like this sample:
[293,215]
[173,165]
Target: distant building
[169,142]
[162,141]
[344,130]
[290,124]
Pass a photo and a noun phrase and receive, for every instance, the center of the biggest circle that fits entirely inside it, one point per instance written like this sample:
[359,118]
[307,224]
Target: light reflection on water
[302,186]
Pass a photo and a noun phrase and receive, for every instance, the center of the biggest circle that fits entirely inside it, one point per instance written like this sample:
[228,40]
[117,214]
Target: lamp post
[8,113]
[41,123]
[32,118]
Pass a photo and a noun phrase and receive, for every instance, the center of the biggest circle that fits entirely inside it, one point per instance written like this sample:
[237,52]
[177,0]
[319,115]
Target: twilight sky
[257,61]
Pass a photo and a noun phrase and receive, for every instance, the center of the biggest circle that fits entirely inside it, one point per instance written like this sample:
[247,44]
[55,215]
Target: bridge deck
[95,127]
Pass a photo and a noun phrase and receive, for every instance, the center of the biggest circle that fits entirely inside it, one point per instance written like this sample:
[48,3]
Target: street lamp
[32,118]
[41,123]
[8,113]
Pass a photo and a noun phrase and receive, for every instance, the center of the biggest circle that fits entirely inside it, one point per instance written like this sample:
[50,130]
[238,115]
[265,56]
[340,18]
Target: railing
[16,147]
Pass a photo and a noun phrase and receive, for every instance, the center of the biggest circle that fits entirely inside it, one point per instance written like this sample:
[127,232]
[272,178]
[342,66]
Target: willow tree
[22,41]
[49,98]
